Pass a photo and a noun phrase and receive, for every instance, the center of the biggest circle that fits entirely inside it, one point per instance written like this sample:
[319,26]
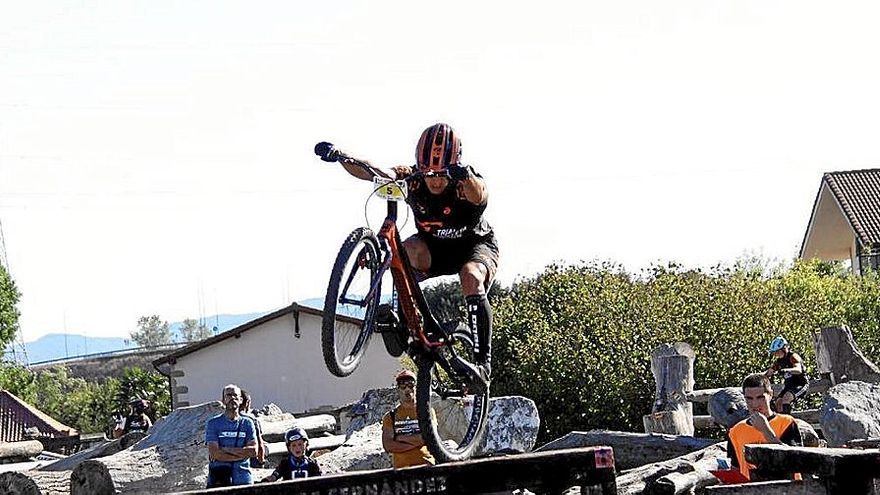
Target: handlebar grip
[327,151]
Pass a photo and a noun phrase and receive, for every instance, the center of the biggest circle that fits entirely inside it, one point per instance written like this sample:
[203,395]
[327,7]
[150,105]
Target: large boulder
[361,451]
[370,409]
[728,406]
[851,411]
[513,425]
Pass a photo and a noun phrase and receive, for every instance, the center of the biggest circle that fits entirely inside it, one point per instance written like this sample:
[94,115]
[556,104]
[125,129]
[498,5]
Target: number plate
[389,189]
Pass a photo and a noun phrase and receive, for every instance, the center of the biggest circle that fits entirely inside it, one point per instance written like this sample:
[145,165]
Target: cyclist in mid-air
[448,199]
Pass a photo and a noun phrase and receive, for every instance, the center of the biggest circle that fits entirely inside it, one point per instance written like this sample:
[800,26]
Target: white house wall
[275,366]
[829,236]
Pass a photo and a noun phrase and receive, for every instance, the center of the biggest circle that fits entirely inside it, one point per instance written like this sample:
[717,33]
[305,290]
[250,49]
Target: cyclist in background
[791,365]
[452,236]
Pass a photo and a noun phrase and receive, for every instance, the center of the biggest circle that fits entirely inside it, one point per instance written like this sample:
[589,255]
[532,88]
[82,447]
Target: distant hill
[58,345]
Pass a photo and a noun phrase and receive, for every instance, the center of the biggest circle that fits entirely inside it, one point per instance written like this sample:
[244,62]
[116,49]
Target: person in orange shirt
[401,435]
[762,425]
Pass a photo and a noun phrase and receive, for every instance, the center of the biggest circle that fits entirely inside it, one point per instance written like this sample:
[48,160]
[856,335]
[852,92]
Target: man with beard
[232,441]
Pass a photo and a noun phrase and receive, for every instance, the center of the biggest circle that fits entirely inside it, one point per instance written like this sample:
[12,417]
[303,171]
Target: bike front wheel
[351,302]
[453,419]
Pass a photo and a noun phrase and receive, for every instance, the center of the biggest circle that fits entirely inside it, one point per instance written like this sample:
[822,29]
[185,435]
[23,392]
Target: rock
[728,406]
[851,411]
[269,409]
[362,451]
[808,434]
[370,409]
[513,425]
[838,355]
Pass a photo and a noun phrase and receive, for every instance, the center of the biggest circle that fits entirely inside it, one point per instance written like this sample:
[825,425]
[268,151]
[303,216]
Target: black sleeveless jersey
[787,362]
[135,422]
[447,215]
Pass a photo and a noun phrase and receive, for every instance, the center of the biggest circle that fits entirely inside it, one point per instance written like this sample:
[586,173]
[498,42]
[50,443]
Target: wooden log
[842,470]
[273,431]
[172,457]
[35,483]
[811,416]
[545,472]
[683,483]
[631,449]
[20,450]
[673,369]
[838,357]
[866,443]
[643,479]
[781,487]
[278,450]
[818,386]
[102,450]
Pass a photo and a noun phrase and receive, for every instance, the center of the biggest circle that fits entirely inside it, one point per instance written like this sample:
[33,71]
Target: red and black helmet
[438,148]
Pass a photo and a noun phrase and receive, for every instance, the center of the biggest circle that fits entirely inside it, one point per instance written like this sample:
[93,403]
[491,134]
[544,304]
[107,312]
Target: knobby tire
[360,242]
[439,447]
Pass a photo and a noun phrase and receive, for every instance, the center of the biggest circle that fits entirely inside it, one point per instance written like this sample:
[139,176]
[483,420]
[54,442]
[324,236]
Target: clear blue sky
[155,157]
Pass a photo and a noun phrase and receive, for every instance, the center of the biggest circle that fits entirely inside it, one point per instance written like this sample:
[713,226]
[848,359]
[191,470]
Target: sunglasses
[403,385]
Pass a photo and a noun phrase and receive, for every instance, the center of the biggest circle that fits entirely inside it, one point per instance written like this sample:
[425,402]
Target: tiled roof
[17,416]
[858,192]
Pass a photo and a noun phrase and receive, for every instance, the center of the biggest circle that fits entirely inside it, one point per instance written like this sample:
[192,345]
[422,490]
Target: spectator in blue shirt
[232,441]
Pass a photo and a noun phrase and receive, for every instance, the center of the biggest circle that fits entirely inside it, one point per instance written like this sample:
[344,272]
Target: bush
[84,405]
[577,339]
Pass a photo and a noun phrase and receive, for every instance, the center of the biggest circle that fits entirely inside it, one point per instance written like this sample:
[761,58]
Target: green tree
[137,383]
[192,330]
[8,312]
[151,332]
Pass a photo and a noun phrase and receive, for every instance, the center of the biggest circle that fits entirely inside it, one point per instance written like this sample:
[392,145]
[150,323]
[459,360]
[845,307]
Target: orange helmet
[438,148]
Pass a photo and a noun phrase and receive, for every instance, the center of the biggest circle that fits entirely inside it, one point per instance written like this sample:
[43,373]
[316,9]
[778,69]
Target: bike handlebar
[328,153]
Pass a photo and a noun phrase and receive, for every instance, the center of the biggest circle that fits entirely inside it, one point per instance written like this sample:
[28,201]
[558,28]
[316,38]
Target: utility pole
[18,349]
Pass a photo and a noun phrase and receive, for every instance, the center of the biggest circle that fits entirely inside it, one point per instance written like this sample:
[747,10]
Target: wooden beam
[546,472]
[782,487]
[842,470]
[865,443]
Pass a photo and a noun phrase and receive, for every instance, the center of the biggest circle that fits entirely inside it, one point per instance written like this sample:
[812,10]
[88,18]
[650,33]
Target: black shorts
[797,389]
[449,255]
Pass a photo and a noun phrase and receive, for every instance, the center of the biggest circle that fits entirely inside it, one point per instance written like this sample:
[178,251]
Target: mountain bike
[452,394]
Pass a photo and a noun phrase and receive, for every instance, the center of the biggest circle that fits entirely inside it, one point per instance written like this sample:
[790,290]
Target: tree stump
[35,483]
[837,355]
[673,369]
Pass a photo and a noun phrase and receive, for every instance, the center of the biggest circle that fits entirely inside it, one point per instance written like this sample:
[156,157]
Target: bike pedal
[386,319]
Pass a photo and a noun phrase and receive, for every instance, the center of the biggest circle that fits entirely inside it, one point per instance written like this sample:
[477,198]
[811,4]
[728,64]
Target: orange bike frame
[408,291]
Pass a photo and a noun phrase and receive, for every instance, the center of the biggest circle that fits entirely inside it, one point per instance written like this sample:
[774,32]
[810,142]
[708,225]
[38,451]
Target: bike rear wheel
[453,420]
[349,315]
